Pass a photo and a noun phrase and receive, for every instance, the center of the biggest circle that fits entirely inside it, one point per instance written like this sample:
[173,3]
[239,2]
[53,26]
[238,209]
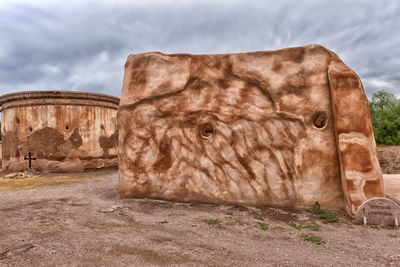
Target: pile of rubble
[24,174]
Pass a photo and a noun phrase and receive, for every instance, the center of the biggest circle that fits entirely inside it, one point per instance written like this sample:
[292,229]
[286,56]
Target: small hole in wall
[17,121]
[30,128]
[319,120]
[206,131]
[102,126]
[66,127]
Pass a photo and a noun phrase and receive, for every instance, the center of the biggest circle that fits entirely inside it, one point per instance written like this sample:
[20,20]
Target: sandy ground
[80,221]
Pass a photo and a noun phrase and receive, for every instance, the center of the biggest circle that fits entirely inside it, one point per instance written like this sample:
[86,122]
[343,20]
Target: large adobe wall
[281,128]
[65,131]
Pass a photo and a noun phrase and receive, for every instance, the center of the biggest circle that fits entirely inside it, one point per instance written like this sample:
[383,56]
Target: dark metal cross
[30,159]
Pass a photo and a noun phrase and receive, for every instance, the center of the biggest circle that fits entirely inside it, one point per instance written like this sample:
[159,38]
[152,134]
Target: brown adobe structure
[281,128]
[66,131]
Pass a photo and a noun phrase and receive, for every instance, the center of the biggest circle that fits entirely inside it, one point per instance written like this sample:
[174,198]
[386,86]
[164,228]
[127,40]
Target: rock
[11,175]
[302,217]
[380,211]
[31,172]
[264,128]
[24,174]
[108,210]
[68,165]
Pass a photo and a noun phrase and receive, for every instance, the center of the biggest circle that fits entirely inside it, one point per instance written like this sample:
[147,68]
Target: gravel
[85,223]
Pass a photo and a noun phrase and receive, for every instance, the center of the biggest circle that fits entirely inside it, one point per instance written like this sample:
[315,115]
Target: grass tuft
[211,221]
[314,239]
[297,226]
[312,227]
[176,214]
[325,214]
[240,223]
[263,226]
[308,226]
[259,218]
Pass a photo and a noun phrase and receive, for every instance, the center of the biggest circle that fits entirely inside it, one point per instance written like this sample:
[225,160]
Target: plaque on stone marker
[378,210]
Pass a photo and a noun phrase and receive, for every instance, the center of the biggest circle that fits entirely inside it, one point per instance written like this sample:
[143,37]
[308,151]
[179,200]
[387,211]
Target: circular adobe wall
[66,131]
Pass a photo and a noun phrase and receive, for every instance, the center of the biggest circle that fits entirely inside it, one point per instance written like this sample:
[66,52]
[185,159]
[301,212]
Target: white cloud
[49,69]
[381,84]
[82,45]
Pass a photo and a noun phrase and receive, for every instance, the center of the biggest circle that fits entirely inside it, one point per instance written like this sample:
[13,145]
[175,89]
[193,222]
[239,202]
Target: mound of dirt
[389,158]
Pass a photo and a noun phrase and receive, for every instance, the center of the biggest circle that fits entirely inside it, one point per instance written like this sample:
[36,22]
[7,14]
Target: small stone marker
[379,210]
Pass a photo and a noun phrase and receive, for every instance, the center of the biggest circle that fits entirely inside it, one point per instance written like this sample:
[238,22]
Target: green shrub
[385,118]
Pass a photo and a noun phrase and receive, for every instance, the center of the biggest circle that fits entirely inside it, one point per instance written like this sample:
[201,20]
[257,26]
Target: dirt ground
[79,220]
[389,158]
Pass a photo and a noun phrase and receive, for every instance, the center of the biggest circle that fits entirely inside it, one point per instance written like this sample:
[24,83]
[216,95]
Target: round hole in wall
[17,121]
[30,128]
[206,131]
[102,126]
[319,120]
[66,127]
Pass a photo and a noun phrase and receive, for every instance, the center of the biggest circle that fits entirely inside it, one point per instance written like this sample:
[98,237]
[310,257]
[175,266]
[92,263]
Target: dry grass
[37,181]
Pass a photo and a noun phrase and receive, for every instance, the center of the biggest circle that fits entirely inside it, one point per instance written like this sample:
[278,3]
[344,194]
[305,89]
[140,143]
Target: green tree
[385,118]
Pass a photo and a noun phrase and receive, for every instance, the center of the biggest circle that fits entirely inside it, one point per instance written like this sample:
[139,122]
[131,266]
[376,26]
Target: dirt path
[84,223]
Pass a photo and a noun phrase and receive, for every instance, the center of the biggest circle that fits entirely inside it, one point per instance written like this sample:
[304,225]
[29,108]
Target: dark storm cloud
[82,45]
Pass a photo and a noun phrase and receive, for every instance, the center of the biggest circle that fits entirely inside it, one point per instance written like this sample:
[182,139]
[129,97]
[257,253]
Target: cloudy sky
[83,45]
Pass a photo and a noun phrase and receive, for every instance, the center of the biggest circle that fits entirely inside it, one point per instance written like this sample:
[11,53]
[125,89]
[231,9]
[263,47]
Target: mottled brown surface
[356,144]
[107,142]
[260,128]
[64,131]
[45,142]
[10,146]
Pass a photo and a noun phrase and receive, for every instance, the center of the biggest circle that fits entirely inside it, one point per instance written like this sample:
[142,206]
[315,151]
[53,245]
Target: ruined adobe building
[281,128]
[66,131]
